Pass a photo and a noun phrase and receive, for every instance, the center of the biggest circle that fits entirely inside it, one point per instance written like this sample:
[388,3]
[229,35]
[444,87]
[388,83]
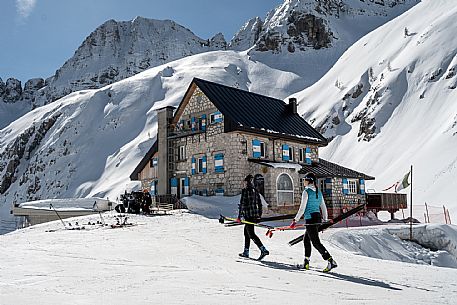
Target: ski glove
[293,224]
[238,220]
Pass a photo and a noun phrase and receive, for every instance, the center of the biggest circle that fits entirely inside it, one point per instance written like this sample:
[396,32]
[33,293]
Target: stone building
[219,134]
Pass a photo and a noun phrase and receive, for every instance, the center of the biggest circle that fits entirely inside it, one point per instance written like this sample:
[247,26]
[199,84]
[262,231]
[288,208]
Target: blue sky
[38,36]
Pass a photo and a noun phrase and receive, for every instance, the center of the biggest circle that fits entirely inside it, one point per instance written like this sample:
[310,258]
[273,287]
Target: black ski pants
[250,234]
[312,236]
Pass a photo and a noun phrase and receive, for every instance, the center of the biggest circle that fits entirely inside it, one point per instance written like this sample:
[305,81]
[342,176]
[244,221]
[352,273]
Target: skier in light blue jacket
[313,207]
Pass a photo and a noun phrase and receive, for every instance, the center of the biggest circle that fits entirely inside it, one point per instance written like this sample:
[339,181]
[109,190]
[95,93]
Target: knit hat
[248,178]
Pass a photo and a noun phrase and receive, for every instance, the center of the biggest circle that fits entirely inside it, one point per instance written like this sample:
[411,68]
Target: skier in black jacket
[251,209]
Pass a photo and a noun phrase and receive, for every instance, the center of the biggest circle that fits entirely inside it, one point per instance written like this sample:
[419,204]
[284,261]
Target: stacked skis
[228,221]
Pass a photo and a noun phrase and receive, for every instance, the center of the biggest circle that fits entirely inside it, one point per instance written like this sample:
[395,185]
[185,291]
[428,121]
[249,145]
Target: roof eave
[256,131]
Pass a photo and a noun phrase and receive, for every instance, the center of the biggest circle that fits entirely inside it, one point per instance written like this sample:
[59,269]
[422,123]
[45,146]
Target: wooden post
[445,216]
[411,208]
[428,216]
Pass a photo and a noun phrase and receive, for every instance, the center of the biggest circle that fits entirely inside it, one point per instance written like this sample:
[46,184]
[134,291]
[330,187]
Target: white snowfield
[189,259]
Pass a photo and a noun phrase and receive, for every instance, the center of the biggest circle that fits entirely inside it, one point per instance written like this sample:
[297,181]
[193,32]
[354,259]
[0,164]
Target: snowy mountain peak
[119,49]
[218,42]
[248,35]
[300,25]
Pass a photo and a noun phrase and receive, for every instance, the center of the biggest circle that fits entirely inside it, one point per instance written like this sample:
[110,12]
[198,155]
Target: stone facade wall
[237,148]
[339,201]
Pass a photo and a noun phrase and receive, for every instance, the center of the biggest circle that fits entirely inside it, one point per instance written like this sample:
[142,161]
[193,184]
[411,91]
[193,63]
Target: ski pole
[99,213]
[51,206]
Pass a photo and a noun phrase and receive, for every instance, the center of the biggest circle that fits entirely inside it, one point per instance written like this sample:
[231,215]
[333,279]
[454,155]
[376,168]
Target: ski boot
[331,264]
[263,252]
[306,264]
[245,253]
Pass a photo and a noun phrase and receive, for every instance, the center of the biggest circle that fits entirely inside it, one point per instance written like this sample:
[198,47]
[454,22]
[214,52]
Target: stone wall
[237,149]
[339,201]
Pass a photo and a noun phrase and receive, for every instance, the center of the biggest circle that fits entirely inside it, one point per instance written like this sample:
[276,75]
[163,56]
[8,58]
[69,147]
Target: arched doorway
[285,190]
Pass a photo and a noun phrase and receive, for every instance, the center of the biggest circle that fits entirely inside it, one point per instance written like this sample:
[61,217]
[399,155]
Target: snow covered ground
[185,258]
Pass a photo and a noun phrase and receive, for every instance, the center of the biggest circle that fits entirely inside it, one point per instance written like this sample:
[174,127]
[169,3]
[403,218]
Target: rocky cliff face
[117,50]
[299,25]
[248,35]
[114,51]
[10,91]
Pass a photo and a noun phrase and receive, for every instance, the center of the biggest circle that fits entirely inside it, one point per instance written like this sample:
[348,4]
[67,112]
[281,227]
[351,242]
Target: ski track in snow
[185,258]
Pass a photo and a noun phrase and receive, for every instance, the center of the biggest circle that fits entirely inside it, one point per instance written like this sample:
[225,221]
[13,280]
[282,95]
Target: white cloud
[25,7]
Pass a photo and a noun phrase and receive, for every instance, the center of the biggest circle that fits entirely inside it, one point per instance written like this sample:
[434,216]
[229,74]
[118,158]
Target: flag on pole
[403,183]
[393,185]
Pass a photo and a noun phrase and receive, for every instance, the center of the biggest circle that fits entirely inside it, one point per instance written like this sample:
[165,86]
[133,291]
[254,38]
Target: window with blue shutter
[219,163]
[193,166]
[203,122]
[308,155]
[152,186]
[328,186]
[174,186]
[362,186]
[186,186]
[193,124]
[345,186]
[218,117]
[256,151]
[285,152]
[219,192]
[204,164]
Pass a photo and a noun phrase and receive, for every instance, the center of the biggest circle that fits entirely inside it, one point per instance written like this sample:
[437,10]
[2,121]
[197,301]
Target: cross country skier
[251,209]
[312,203]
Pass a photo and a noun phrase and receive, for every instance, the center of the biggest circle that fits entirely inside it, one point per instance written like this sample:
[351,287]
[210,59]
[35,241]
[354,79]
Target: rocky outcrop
[298,25]
[31,88]
[20,149]
[12,90]
[218,42]
[248,35]
[2,88]
[308,30]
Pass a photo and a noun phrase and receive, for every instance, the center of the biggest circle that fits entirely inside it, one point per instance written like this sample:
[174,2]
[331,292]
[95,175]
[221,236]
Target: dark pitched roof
[154,148]
[325,168]
[251,112]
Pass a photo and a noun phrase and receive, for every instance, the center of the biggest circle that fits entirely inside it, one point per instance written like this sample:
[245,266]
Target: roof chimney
[293,105]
